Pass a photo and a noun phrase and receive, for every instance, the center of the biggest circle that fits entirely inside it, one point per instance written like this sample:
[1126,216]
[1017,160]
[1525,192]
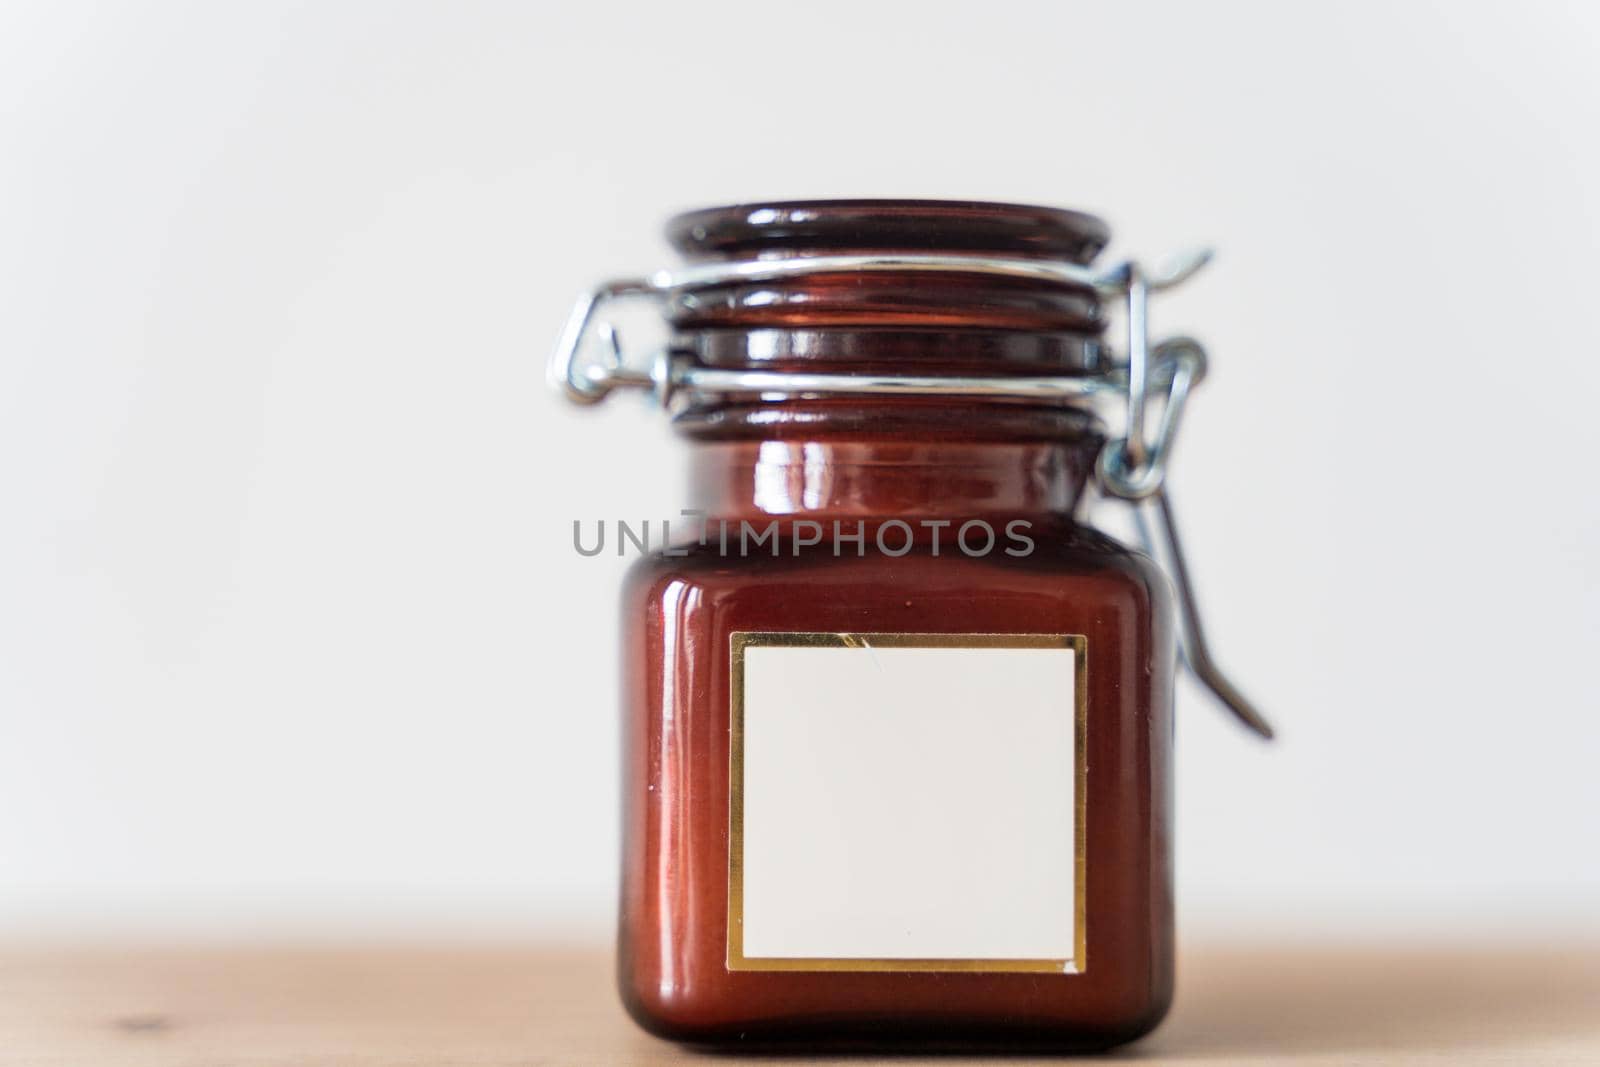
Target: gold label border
[740,640]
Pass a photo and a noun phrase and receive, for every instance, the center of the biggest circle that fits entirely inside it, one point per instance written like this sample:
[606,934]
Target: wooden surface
[394,1006]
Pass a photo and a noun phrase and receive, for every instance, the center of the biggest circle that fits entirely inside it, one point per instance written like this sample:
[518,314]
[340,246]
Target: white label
[899,798]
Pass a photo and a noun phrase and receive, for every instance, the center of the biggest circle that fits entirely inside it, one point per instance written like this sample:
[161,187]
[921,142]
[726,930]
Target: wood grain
[530,1005]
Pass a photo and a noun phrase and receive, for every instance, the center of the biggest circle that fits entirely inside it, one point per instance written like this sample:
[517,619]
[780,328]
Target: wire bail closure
[1131,467]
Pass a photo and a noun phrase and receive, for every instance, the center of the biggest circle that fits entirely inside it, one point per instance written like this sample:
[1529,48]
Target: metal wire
[1131,467]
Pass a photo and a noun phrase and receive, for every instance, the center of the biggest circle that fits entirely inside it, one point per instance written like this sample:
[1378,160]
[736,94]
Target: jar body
[680,613]
[879,791]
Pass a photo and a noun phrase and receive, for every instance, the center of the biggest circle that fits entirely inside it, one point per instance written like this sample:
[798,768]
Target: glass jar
[897,720]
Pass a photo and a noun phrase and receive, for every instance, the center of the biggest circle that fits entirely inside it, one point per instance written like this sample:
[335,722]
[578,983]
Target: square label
[906,802]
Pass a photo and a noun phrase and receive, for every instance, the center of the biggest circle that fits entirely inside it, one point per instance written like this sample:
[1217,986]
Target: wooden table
[528,1005]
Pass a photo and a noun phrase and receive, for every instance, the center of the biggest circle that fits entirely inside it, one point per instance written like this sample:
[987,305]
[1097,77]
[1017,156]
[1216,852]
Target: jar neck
[889,479]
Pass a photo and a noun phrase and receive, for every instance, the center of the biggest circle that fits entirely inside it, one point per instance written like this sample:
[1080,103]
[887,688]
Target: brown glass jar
[900,775]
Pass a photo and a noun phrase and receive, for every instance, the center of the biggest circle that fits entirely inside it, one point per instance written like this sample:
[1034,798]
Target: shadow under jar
[892,780]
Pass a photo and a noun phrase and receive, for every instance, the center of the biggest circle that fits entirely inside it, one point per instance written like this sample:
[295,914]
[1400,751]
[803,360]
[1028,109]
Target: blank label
[906,804]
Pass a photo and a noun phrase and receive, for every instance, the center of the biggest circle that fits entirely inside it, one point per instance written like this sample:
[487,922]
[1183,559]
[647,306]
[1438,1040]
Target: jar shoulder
[1062,563]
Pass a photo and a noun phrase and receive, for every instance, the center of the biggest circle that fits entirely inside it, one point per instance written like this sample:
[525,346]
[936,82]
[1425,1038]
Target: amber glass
[853,460]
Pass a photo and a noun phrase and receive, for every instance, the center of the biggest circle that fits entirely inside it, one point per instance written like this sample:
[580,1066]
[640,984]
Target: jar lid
[806,227]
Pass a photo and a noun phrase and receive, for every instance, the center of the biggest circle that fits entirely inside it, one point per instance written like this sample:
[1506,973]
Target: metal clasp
[1134,469]
[1131,467]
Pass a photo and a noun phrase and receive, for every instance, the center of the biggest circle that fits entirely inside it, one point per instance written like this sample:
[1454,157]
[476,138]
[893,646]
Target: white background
[292,637]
